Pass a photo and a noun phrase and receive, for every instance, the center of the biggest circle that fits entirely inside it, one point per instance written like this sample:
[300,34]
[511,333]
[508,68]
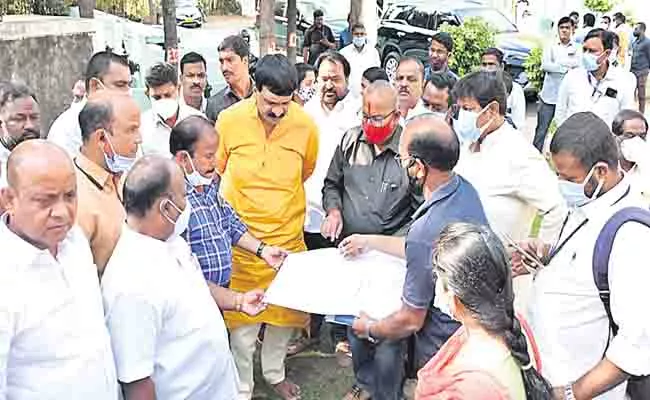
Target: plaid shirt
[213,229]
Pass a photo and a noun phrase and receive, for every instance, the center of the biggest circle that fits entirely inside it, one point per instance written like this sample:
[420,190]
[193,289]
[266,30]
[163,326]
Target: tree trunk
[171,36]
[292,38]
[86,8]
[355,11]
[267,27]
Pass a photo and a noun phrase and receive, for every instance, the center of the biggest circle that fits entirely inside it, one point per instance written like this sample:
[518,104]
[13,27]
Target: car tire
[391,61]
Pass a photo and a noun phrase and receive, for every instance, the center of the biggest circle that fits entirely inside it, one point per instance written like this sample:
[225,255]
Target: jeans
[545,114]
[378,367]
[641,80]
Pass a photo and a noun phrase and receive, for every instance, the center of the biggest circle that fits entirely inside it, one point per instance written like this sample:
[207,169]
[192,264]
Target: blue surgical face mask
[117,164]
[574,193]
[589,61]
[466,128]
[359,41]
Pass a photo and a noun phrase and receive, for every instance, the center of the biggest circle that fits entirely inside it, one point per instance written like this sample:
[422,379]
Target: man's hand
[558,393]
[534,248]
[252,302]
[332,226]
[326,43]
[360,326]
[274,256]
[354,245]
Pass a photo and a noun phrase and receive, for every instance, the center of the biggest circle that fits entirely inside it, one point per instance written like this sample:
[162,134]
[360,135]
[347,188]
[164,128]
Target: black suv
[406,30]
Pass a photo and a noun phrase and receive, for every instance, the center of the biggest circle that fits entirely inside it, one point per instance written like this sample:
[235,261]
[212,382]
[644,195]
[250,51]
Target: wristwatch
[260,248]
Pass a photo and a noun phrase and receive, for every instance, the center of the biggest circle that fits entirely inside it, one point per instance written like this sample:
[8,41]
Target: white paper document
[324,282]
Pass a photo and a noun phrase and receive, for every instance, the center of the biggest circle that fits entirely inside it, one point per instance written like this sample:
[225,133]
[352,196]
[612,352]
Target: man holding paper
[429,151]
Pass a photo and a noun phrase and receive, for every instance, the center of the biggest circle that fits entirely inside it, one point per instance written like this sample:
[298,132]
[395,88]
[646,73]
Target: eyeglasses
[376,120]
[630,135]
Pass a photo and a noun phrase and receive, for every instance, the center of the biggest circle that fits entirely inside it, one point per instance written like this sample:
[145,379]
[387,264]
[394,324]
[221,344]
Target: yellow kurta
[262,179]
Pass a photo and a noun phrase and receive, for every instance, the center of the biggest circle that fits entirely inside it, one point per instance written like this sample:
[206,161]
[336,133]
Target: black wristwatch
[260,248]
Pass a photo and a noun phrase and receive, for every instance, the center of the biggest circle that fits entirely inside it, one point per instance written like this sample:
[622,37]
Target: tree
[267,25]
[86,8]
[356,7]
[600,6]
[292,14]
[171,36]
[470,39]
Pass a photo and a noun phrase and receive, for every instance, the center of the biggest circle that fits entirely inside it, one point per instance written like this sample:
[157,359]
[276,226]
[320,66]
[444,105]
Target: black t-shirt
[313,36]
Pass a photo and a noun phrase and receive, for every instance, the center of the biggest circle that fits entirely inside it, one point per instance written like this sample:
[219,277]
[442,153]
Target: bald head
[430,139]
[381,93]
[34,158]
[102,109]
[41,198]
[148,181]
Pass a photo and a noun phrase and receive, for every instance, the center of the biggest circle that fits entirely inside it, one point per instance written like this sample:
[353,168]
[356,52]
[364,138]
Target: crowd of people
[138,245]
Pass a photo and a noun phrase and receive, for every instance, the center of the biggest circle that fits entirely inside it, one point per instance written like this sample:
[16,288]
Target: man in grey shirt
[366,190]
[640,62]
[558,58]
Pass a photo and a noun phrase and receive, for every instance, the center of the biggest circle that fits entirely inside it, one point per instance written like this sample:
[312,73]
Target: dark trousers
[378,367]
[641,79]
[315,241]
[545,114]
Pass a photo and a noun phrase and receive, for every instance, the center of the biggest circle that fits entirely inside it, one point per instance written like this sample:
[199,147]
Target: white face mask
[195,178]
[183,220]
[165,108]
[635,149]
[442,299]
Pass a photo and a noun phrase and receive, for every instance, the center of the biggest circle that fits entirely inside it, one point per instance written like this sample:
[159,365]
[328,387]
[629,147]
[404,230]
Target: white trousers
[243,341]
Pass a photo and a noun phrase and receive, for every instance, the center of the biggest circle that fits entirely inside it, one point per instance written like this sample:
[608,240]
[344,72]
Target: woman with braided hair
[487,358]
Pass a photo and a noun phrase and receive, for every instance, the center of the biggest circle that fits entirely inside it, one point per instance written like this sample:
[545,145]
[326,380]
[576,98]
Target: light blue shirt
[557,60]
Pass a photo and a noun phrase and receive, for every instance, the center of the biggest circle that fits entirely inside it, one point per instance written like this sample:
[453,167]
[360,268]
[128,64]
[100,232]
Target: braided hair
[473,265]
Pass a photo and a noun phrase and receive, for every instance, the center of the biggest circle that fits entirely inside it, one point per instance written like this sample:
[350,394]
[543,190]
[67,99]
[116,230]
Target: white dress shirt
[164,324]
[517,106]
[640,179]
[155,132]
[581,92]
[53,341]
[567,315]
[65,130]
[557,60]
[332,126]
[419,109]
[204,103]
[514,183]
[359,61]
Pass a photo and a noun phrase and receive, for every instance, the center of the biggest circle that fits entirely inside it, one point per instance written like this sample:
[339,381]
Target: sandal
[356,393]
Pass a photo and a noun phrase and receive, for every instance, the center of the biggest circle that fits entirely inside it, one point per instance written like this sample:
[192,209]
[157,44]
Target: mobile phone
[531,263]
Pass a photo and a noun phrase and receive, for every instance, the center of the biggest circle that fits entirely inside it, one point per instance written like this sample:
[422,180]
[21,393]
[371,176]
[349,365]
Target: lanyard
[90,178]
[558,246]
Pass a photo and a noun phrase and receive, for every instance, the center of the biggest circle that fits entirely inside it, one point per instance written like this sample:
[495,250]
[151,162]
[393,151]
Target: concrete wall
[49,54]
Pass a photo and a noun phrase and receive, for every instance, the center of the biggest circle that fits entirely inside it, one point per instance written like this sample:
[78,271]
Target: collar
[441,193]
[251,90]
[393,142]
[25,250]
[4,154]
[600,205]
[92,170]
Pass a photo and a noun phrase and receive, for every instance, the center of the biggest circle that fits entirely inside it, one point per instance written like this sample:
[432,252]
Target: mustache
[273,116]
[11,143]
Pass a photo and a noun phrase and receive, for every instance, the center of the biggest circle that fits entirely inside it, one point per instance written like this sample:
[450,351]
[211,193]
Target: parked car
[406,30]
[188,14]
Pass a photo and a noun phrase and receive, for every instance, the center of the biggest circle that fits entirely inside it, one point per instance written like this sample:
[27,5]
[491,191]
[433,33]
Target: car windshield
[493,17]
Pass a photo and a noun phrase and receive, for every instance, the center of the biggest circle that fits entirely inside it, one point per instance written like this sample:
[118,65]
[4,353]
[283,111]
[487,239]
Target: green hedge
[470,39]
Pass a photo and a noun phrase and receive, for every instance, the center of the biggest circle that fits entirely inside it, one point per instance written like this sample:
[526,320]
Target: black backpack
[638,386]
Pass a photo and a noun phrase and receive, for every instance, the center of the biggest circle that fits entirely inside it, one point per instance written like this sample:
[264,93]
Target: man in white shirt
[168,335]
[361,56]
[409,81]
[596,86]
[20,120]
[105,70]
[512,178]
[334,111]
[580,357]
[53,341]
[631,130]
[166,111]
[194,80]
[492,61]
[558,58]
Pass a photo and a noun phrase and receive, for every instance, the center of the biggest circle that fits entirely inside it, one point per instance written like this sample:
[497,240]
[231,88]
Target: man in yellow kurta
[268,148]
